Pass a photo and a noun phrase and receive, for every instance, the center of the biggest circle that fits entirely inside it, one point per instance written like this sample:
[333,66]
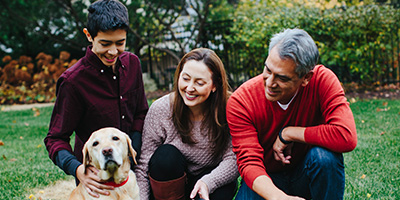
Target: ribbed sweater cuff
[67,162]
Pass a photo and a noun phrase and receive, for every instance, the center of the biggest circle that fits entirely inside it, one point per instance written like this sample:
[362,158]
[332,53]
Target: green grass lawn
[24,162]
[372,169]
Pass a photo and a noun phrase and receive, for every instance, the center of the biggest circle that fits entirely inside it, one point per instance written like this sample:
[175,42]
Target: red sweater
[255,122]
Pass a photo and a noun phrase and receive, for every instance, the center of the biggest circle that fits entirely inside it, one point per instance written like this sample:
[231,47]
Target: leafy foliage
[57,25]
[359,42]
[30,81]
[54,25]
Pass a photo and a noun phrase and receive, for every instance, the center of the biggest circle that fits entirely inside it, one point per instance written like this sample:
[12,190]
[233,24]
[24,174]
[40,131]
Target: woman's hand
[201,189]
[91,182]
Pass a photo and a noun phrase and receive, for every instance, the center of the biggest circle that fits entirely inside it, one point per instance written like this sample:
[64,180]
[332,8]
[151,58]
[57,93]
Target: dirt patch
[6,108]
[60,190]
[388,91]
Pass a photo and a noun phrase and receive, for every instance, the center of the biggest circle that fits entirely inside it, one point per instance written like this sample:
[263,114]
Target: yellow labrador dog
[108,150]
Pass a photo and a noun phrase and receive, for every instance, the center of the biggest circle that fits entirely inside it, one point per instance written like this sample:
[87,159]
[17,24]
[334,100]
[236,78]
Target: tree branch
[171,53]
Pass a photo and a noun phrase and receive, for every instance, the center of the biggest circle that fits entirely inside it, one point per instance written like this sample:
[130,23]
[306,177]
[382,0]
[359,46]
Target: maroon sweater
[90,96]
[255,122]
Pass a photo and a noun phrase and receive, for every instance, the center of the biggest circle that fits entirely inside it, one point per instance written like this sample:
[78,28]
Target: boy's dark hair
[107,15]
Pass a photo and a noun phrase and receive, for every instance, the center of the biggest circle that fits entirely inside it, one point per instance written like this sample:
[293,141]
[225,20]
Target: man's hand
[201,189]
[282,151]
[91,182]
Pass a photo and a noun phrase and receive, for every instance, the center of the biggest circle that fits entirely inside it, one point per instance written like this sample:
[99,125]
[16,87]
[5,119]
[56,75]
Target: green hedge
[359,43]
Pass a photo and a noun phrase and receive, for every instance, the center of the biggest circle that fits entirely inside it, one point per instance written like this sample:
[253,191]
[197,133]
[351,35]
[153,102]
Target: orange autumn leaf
[381,109]
[37,112]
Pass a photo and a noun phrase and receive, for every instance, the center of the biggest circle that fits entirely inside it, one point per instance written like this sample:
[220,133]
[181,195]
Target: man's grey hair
[296,44]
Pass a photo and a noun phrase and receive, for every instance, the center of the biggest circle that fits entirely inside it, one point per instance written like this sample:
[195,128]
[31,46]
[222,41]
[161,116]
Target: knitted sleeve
[152,138]
[226,172]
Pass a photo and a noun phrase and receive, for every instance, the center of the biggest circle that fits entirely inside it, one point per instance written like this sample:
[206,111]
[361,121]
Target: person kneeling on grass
[103,89]
[187,151]
[291,124]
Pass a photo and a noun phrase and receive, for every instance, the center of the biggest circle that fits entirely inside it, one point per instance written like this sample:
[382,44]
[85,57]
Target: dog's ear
[131,151]
[86,156]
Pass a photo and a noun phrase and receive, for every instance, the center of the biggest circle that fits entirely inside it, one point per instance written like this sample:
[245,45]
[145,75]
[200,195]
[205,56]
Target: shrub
[358,42]
[22,81]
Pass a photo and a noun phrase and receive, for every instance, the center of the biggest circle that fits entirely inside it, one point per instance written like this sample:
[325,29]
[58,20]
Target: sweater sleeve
[245,142]
[141,100]
[226,172]
[150,142]
[66,161]
[65,118]
[338,133]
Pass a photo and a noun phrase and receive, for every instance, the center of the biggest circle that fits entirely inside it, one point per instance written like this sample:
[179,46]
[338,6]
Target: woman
[186,151]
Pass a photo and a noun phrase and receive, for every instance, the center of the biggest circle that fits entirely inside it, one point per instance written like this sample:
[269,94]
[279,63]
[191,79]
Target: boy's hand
[91,182]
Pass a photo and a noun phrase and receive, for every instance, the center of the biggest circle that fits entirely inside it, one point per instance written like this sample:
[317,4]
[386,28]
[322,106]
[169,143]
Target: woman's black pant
[168,163]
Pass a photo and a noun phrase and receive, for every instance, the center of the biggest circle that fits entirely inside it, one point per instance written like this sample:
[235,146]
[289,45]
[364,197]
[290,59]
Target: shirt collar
[285,106]
[92,57]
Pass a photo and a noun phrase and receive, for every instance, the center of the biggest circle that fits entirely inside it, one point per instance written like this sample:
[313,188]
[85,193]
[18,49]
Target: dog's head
[108,149]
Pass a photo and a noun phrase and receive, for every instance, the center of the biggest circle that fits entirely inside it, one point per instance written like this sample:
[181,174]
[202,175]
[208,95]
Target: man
[291,124]
[103,89]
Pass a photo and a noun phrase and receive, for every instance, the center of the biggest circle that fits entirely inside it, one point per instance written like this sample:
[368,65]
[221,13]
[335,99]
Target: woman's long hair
[214,109]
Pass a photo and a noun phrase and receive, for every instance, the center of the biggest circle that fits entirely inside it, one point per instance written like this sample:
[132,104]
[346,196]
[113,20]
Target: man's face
[109,45]
[281,82]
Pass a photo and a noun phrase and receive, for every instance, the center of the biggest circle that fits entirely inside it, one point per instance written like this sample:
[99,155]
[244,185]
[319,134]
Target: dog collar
[112,183]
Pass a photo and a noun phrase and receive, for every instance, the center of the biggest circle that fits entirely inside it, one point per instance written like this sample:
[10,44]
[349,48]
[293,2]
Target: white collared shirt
[285,106]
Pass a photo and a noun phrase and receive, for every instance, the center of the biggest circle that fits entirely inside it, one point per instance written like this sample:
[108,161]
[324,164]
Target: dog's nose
[107,151]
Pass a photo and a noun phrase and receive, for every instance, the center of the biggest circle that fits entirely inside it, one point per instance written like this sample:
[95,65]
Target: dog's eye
[95,143]
[115,138]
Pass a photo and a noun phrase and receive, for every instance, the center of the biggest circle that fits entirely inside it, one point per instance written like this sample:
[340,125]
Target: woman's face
[195,84]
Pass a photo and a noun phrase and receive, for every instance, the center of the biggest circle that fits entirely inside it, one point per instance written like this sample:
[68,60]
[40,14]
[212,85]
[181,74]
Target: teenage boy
[103,89]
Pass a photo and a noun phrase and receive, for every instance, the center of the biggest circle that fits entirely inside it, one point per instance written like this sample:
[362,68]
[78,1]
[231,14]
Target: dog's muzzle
[110,164]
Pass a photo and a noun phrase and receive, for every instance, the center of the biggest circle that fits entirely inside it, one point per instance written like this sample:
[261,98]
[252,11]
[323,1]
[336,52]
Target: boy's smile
[109,45]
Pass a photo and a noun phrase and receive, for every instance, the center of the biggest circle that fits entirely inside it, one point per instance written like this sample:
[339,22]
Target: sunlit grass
[24,162]
[372,169]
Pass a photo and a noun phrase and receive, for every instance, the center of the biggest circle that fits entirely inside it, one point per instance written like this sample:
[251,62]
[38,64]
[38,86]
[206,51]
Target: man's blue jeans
[320,176]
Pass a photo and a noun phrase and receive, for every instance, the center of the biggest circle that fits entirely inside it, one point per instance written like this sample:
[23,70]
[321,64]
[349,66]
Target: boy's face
[108,45]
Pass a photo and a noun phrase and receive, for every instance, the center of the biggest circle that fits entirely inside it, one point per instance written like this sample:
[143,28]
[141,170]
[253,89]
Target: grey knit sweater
[159,129]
